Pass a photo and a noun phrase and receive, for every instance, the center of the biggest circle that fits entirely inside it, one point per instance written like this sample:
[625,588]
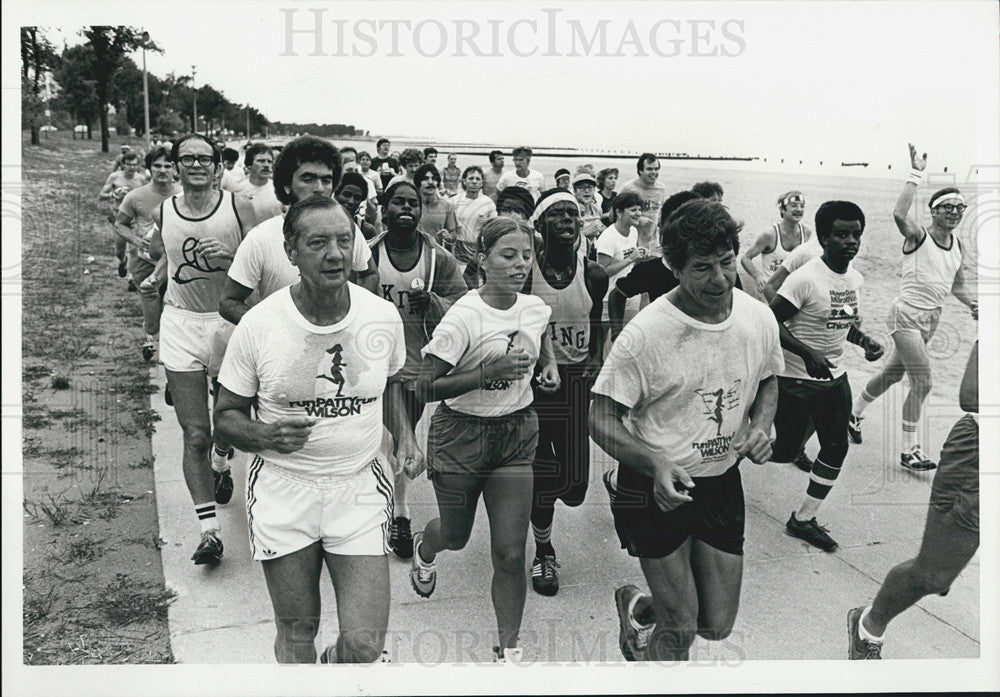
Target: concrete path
[794,598]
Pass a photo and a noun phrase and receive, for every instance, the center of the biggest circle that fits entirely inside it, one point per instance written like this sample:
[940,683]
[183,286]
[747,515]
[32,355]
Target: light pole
[194,87]
[248,122]
[145,89]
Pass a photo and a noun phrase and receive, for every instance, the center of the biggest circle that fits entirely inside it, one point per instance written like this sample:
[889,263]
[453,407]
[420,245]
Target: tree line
[101,71]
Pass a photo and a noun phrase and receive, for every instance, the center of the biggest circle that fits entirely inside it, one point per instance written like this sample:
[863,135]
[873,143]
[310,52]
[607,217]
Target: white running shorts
[193,341]
[349,514]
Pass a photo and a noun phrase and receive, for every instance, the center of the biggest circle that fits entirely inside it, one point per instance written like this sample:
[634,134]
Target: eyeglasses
[203,160]
[951,208]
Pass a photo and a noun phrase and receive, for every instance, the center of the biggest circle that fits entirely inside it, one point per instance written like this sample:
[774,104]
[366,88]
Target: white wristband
[915,177]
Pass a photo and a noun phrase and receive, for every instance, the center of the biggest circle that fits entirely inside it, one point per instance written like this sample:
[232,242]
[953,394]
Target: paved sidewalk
[794,599]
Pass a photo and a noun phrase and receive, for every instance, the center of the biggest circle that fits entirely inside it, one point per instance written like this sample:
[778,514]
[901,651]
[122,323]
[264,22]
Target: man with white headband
[574,287]
[777,242]
[931,269]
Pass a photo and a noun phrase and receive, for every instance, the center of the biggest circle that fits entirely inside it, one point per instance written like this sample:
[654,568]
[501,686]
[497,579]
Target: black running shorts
[956,482]
[716,515]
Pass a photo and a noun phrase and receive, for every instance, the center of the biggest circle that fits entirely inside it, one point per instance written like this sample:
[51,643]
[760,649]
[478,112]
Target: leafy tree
[110,44]
[37,56]
[78,90]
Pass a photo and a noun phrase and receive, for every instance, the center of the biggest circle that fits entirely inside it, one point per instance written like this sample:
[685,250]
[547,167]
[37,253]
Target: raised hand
[918,162]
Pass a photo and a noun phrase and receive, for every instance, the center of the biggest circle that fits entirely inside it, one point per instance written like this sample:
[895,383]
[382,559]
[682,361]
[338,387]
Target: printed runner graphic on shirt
[331,368]
[716,403]
[192,260]
[503,384]
[336,363]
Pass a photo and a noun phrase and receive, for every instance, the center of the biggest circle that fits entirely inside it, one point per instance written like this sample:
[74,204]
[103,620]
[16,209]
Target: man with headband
[574,287]
[932,268]
[777,242]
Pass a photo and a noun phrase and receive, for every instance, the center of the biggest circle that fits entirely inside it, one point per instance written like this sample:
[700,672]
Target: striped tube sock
[909,435]
[821,481]
[543,538]
[206,516]
[861,403]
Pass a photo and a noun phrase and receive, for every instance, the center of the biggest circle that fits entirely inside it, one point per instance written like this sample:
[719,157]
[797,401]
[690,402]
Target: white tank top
[194,284]
[929,272]
[770,261]
[569,325]
[395,286]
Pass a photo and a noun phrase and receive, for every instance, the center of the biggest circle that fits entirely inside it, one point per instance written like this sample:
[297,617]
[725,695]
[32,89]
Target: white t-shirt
[234,179]
[472,333]
[652,200]
[470,213]
[533,182]
[612,243]
[828,307]
[262,265]
[265,202]
[689,385]
[808,250]
[335,373]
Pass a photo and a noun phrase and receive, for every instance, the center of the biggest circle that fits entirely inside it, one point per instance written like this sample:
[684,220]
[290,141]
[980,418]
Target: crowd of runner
[324,296]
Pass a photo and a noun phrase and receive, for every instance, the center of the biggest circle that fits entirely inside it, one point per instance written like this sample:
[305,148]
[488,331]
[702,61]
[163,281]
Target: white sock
[909,435]
[861,403]
[631,612]
[864,633]
[206,516]
[220,459]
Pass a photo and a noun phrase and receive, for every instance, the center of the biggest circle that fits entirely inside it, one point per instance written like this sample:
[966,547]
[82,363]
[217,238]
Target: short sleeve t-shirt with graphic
[689,386]
[472,333]
[335,374]
[828,307]
[614,244]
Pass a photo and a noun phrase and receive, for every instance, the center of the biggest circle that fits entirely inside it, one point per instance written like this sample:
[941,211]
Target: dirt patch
[93,577]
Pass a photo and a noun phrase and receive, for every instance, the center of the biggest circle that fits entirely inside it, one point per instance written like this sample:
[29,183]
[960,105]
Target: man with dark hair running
[679,506]
[574,287]
[817,310]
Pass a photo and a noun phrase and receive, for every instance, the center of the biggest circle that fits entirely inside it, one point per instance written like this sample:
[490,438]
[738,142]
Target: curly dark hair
[298,152]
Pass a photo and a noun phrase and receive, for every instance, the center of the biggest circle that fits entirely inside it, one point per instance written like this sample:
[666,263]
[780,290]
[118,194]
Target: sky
[835,81]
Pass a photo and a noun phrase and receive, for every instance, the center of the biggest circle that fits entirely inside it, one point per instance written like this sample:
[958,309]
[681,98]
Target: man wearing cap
[653,194]
[574,287]
[523,175]
[584,186]
[777,242]
[932,268]
[492,174]
[563,179]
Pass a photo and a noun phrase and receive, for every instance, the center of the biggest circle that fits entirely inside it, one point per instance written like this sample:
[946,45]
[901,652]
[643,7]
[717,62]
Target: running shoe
[148,350]
[122,268]
[400,538]
[608,485]
[167,397]
[223,486]
[803,462]
[423,576]
[810,531]
[916,461]
[633,638]
[511,654]
[854,428]
[209,550]
[544,578]
[859,649]
[132,287]
[329,655]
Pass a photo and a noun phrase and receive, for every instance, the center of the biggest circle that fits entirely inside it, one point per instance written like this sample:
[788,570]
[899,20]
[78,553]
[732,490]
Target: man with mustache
[777,242]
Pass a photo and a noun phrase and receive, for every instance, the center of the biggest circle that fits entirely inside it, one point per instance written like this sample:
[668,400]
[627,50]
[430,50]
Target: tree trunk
[35,140]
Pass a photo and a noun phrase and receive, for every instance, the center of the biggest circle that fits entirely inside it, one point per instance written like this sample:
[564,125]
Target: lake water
[751,192]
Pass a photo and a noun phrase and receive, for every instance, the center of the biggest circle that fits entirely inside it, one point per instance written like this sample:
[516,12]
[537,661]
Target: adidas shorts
[349,514]
[716,515]
[956,482]
[906,318]
[193,341]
